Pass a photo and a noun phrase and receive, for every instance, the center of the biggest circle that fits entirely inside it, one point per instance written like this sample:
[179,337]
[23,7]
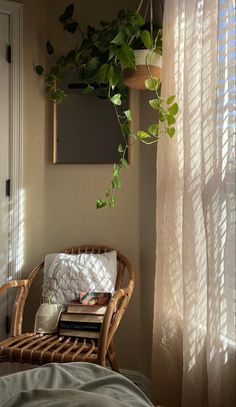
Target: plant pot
[135,78]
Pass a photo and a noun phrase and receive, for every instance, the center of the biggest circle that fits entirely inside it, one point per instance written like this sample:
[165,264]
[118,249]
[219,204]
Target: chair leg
[111,355]
[103,363]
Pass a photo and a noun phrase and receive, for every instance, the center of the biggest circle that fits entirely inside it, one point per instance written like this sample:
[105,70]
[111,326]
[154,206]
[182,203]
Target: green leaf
[50,49]
[161,116]
[71,55]
[113,50]
[123,163]
[103,73]
[171,131]
[128,115]
[120,148]
[39,69]
[152,83]
[88,90]
[155,103]
[112,202]
[131,31]
[116,99]
[92,65]
[116,170]
[173,110]
[125,128]
[100,203]
[62,18]
[61,61]
[119,39]
[69,10]
[142,134]
[138,20]
[116,183]
[146,38]
[126,56]
[153,129]
[113,76]
[99,44]
[170,120]
[58,96]
[170,99]
[71,27]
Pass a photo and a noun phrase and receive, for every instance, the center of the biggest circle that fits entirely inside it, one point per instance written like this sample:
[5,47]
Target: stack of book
[82,320]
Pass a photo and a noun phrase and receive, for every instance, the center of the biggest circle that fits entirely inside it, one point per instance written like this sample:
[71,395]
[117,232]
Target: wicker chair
[39,349]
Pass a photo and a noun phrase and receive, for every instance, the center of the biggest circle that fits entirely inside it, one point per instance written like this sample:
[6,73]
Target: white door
[4,163]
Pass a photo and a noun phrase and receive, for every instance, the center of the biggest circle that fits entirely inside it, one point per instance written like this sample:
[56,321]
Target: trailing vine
[98,62]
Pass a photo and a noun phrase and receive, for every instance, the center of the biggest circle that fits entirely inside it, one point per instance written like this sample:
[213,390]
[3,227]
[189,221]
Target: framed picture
[85,127]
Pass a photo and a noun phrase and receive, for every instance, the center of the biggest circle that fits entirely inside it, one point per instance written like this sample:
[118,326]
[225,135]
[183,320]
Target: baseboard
[140,379]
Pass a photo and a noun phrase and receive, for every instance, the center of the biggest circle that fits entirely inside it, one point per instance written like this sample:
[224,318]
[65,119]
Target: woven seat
[38,349]
[42,348]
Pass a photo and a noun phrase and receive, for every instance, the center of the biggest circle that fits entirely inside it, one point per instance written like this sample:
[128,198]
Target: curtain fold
[194,308]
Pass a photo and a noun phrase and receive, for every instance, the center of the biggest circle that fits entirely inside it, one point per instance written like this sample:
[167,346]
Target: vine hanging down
[99,62]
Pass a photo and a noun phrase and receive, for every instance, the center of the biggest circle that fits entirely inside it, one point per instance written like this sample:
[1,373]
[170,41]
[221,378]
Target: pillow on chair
[66,275]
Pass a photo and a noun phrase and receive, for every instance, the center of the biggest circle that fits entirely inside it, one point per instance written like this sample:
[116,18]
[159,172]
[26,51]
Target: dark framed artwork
[85,128]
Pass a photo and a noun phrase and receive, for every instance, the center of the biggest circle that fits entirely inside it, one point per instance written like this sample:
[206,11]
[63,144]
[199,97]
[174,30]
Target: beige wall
[59,200]
[147,227]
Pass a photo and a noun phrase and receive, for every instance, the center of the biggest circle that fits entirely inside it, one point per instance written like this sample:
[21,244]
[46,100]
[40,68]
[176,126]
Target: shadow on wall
[147,231]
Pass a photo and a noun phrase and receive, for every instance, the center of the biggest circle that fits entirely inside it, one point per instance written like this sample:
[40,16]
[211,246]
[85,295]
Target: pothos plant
[99,60]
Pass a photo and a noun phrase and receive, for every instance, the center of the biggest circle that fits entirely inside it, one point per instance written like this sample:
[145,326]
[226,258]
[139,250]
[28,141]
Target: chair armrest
[118,306]
[13,284]
[18,309]
[115,310]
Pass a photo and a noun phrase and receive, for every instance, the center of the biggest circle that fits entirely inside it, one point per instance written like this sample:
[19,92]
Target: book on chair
[91,303]
[79,334]
[81,317]
[86,309]
[80,325]
[84,315]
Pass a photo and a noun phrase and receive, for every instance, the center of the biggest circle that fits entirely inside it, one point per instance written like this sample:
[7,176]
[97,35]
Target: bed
[73,384]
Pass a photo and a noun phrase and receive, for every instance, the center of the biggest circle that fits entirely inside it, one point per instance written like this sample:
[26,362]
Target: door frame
[15,12]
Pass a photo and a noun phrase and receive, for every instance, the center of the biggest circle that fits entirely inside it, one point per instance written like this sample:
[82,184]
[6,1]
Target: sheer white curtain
[194,311]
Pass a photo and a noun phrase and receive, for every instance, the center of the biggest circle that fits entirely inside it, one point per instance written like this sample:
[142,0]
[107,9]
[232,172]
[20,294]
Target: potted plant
[104,62]
[144,61]
[147,49]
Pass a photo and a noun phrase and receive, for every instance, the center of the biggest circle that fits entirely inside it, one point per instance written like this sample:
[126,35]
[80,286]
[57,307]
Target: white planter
[143,56]
[135,78]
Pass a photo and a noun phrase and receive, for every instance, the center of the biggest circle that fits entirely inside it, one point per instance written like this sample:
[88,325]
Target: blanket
[74,384]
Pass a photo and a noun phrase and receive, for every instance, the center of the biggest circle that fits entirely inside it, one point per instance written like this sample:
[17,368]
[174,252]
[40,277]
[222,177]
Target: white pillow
[65,275]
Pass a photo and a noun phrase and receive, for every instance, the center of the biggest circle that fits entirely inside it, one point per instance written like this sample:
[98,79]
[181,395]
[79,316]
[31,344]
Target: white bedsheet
[70,385]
